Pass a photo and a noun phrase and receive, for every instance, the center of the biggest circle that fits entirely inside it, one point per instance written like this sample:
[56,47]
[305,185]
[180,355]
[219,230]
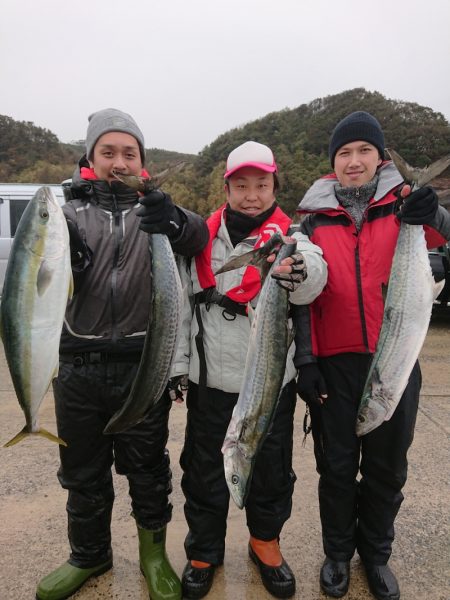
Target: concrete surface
[33,523]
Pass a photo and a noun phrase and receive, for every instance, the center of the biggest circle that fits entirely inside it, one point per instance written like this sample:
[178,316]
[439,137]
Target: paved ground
[33,525]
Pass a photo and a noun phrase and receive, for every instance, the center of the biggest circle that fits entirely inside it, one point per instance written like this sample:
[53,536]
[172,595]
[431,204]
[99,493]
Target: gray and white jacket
[225,341]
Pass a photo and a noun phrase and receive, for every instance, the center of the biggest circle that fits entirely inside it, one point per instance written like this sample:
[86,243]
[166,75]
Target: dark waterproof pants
[269,501]
[86,397]
[359,515]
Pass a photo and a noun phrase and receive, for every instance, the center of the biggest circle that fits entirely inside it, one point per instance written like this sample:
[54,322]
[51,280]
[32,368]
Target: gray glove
[291,281]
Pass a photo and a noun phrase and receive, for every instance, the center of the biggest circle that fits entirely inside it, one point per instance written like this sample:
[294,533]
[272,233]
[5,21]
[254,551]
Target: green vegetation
[299,138]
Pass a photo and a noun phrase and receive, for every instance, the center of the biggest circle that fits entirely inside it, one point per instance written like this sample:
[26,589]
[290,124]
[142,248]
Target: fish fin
[55,373]
[24,433]
[18,438]
[429,173]
[256,257]
[44,278]
[291,336]
[404,168]
[237,262]
[71,288]
[415,175]
[437,289]
[50,436]
[250,313]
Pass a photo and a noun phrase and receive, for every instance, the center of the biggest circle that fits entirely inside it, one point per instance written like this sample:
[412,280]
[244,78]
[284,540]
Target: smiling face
[250,191]
[116,151]
[356,163]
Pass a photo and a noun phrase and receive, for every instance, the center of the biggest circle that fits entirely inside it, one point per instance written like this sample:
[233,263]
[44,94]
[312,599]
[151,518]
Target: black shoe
[335,577]
[279,581]
[195,582]
[382,582]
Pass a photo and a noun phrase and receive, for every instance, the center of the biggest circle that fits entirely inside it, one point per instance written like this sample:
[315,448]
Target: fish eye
[44,213]
[234,479]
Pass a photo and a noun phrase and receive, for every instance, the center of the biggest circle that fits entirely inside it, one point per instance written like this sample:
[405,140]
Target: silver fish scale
[263,377]
[161,339]
[407,313]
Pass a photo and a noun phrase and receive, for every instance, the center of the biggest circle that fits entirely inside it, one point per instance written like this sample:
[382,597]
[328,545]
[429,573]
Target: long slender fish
[407,312]
[163,326]
[263,375]
[38,283]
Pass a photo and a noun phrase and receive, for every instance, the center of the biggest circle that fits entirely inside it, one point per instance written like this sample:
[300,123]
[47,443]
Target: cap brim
[256,165]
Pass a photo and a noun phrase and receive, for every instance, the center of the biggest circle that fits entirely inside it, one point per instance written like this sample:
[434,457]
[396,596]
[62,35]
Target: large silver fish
[163,327]
[407,312]
[38,284]
[263,375]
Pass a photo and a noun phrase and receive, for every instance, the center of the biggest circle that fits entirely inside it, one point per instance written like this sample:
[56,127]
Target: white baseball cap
[251,154]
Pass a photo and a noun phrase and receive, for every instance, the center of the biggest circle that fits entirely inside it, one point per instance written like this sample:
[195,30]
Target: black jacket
[110,307]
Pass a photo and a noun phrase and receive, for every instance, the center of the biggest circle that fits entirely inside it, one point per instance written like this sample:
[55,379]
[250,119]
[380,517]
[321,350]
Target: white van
[13,199]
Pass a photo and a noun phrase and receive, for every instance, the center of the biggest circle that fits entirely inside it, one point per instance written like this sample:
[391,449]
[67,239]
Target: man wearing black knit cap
[353,216]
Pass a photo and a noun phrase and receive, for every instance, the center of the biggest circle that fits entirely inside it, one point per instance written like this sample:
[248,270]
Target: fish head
[238,469]
[43,225]
[373,408]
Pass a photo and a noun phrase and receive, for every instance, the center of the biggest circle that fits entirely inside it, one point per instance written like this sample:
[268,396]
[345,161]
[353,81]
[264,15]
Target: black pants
[359,515]
[269,501]
[86,397]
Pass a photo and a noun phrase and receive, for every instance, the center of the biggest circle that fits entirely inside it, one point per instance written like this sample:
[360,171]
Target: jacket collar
[321,196]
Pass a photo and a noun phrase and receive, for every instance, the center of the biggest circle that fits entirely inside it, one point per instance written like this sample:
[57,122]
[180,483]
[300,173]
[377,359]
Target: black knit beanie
[356,126]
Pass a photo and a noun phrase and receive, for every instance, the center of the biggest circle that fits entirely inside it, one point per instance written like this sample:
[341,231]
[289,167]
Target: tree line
[298,137]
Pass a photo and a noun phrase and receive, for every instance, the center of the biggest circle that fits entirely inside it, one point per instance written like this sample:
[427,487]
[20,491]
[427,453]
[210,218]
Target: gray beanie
[356,126]
[111,119]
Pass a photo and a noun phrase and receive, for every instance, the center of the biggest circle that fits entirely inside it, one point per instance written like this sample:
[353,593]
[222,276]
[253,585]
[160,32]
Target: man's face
[250,191]
[356,163]
[118,151]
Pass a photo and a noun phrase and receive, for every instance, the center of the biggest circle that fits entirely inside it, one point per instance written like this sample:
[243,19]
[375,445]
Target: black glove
[159,214]
[291,281]
[176,386]
[419,208]
[311,384]
[79,250]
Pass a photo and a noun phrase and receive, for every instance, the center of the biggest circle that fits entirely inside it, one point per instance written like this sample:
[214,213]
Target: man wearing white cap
[215,365]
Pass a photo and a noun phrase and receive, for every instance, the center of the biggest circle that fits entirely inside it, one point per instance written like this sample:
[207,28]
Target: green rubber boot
[162,581]
[66,580]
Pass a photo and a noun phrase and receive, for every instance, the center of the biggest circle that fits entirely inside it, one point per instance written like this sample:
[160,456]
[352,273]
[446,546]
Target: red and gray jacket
[347,315]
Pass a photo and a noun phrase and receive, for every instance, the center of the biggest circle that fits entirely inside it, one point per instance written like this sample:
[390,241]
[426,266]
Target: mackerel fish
[407,312]
[265,366]
[164,323]
[38,284]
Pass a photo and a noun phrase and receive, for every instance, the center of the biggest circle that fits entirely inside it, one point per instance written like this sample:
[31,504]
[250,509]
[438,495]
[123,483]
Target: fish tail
[256,258]
[18,438]
[24,433]
[50,436]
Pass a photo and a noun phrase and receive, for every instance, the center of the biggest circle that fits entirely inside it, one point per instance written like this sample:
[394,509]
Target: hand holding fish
[159,214]
[291,271]
[419,207]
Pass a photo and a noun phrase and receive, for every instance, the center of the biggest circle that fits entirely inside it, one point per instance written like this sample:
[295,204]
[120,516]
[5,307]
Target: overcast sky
[189,70]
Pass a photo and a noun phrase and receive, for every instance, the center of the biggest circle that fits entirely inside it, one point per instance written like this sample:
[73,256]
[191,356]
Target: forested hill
[33,154]
[299,138]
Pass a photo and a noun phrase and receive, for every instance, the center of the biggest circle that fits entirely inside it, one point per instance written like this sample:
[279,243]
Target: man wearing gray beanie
[101,346]
[353,216]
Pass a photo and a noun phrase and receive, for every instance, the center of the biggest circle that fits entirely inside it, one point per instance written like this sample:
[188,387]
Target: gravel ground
[33,523]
